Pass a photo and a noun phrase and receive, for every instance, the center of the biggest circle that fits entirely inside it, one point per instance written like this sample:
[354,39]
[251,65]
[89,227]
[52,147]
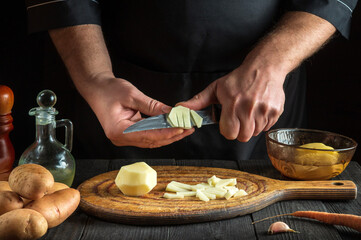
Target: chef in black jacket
[133,58]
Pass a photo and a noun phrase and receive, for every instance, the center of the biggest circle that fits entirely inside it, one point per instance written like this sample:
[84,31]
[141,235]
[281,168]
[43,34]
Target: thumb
[202,99]
[150,106]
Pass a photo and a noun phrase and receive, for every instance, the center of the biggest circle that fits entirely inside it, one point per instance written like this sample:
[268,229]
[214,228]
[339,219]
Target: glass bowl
[303,163]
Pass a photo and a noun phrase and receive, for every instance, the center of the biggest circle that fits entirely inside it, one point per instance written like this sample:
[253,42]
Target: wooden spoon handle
[331,189]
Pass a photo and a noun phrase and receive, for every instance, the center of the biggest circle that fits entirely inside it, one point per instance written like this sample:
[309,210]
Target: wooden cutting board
[100,196]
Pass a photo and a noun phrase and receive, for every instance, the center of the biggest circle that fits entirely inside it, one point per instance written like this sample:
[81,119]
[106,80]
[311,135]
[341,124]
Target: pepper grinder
[7,152]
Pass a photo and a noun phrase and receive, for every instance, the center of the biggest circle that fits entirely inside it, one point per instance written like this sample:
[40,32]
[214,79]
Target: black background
[29,64]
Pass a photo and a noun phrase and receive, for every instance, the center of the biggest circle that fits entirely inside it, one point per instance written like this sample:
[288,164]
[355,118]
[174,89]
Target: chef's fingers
[202,99]
[160,137]
[247,126]
[175,138]
[229,123]
[149,106]
[271,121]
[260,118]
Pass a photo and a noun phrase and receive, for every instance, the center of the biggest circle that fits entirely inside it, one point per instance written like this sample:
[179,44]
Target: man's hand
[252,95]
[116,102]
[252,101]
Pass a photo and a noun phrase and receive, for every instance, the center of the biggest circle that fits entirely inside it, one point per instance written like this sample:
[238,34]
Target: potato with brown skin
[57,186]
[9,200]
[4,186]
[31,181]
[58,206]
[22,224]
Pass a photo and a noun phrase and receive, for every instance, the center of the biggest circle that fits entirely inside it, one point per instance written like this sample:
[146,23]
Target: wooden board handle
[334,189]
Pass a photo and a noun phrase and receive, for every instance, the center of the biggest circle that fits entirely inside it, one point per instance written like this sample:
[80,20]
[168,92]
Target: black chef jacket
[172,50]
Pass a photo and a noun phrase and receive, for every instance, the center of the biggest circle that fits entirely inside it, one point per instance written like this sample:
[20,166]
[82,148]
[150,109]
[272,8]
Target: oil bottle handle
[68,132]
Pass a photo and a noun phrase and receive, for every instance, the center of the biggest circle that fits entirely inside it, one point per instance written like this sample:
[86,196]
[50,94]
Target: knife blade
[210,116]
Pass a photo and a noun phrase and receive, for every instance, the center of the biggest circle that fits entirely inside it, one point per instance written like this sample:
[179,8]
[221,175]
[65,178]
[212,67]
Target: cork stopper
[6,100]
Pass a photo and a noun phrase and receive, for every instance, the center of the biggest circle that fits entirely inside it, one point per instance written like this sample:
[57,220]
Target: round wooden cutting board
[100,196]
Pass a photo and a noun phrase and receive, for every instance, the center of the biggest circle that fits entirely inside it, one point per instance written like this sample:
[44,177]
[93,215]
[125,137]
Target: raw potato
[4,186]
[173,195]
[183,117]
[197,120]
[316,157]
[9,200]
[136,179]
[213,189]
[22,224]
[57,186]
[31,181]
[58,206]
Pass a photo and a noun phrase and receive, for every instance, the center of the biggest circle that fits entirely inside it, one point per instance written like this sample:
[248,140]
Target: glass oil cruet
[47,150]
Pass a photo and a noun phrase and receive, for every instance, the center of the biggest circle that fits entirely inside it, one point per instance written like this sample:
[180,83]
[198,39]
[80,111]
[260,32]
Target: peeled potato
[183,117]
[316,157]
[136,179]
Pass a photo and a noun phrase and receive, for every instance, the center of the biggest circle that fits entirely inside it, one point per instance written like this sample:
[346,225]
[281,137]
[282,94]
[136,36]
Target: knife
[210,115]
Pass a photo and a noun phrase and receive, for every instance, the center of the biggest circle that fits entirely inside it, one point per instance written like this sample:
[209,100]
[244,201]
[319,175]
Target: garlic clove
[279,227]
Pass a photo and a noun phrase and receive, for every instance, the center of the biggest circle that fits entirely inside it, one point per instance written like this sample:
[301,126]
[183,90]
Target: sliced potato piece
[172,118]
[187,193]
[240,193]
[173,195]
[173,188]
[209,195]
[219,192]
[187,118]
[226,182]
[183,117]
[180,119]
[181,185]
[230,193]
[213,180]
[199,186]
[197,120]
[215,188]
[202,196]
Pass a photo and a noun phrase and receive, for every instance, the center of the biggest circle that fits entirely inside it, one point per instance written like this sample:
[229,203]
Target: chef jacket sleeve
[337,12]
[43,15]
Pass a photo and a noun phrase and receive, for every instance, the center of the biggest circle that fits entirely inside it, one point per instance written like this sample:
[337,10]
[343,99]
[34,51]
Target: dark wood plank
[309,229]
[71,229]
[227,229]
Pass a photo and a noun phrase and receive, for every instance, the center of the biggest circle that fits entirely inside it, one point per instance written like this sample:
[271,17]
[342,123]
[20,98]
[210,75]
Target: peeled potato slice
[215,188]
[183,117]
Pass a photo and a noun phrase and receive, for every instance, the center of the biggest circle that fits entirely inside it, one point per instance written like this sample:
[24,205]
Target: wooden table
[82,226]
